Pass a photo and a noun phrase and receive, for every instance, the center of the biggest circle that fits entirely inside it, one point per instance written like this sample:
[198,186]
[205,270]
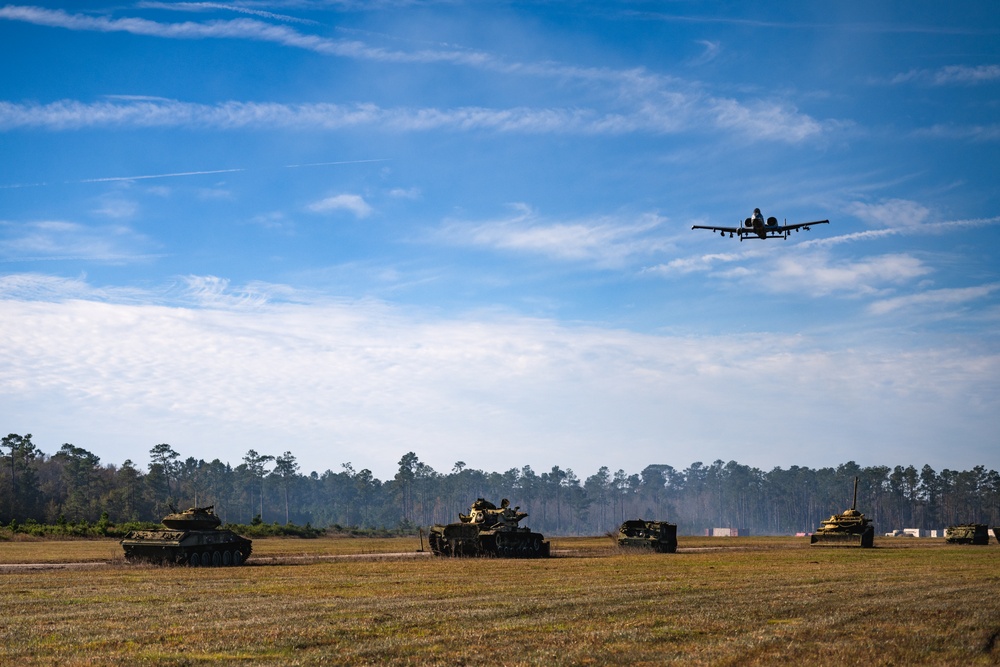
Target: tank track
[198,557]
[519,545]
[217,557]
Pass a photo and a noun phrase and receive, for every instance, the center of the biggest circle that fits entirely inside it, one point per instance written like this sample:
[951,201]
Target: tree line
[72,485]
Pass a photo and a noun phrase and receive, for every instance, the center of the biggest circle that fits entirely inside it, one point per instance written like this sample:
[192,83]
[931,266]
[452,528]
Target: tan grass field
[717,601]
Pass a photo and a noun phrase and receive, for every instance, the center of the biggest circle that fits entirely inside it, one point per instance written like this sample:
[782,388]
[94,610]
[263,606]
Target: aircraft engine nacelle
[772,222]
[748,223]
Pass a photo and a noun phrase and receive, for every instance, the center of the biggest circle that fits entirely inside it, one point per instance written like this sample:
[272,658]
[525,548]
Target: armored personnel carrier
[659,536]
[968,533]
[192,537]
[849,529]
[488,531]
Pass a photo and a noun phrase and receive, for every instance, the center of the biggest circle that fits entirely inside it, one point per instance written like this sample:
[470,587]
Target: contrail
[14,186]
[323,164]
[177,174]
[140,178]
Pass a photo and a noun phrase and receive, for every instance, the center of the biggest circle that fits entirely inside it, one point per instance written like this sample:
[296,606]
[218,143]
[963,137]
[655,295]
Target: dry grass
[717,601]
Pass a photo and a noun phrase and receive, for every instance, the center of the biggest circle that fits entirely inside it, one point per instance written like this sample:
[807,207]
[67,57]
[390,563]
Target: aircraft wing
[725,230]
[797,225]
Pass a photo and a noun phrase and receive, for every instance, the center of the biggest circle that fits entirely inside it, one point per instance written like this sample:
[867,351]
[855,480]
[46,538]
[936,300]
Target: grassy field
[717,601]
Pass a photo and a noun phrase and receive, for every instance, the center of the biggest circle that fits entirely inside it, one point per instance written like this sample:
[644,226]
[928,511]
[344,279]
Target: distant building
[915,532]
[726,532]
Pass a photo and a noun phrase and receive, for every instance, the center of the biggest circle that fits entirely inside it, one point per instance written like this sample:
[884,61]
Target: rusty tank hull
[851,528]
[191,538]
[660,536]
[488,531]
[969,533]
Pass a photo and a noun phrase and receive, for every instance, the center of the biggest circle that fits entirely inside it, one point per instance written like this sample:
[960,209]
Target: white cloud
[53,289]
[116,207]
[765,121]
[709,53]
[363,382]
[805,268]
[215,292]
[932,299]
[49,240]
[213,6]
[693,264]
[891,213]
[639,101]
[758,122]
[972,132]
[604,241]
[952,75]
[405,193]
[250,29]
[345,202]
[815,273]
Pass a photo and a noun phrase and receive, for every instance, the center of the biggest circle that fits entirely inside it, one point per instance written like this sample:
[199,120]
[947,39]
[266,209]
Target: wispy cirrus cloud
[343,202]
[952,75]
[990,132]
[939,299]
[766,122]
[891,212]
[694,264]
[641,101]
[250,29]
[710,51]
[52,240]
[218,6]
[606,242]
[406,193]
[818,274]
[803,271]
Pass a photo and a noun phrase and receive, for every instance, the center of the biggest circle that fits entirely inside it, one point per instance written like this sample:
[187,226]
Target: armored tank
[850,529]
[996,532]
[192,537]
[659,536]
[488,531]
[968,533]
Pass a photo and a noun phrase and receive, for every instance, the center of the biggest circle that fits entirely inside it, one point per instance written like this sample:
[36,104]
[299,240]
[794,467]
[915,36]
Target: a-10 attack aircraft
[755,225]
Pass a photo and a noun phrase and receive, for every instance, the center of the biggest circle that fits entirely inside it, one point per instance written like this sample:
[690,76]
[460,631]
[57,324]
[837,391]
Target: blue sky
[356,229]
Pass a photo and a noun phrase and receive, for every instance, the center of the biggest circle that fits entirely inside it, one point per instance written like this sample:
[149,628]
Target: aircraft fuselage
[760,227]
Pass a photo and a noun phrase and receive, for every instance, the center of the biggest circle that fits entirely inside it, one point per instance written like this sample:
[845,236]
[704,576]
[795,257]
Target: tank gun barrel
[854,504]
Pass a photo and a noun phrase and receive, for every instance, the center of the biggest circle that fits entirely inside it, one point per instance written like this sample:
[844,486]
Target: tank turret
[851,528]
[195,518]
[488,530]
[192,537]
